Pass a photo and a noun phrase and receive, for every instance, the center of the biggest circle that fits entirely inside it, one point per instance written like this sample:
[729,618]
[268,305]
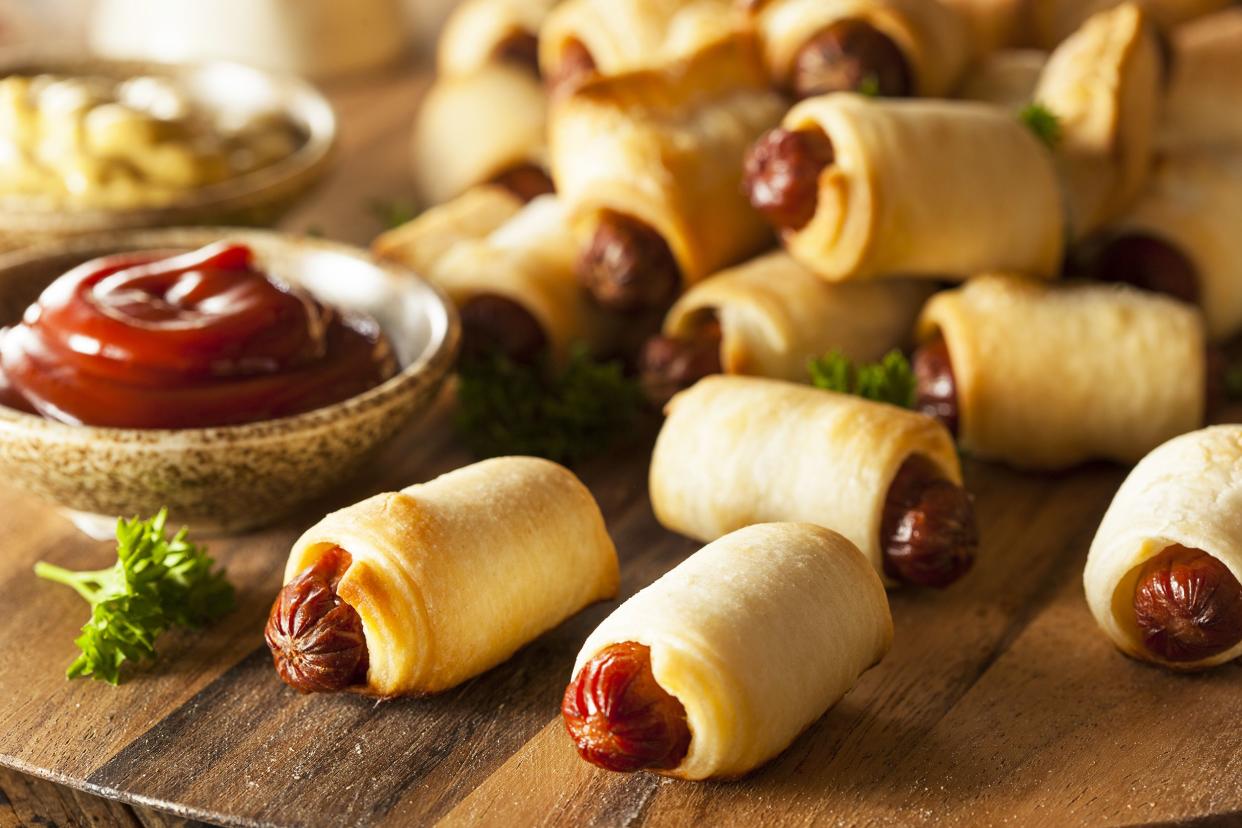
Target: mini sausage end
[316,639]
[781,175]
[929,535]
[850,55]
[620,718]
[1188,605]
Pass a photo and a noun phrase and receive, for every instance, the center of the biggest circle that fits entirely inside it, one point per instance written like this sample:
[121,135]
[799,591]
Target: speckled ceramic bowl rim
[437,356]
[313,155]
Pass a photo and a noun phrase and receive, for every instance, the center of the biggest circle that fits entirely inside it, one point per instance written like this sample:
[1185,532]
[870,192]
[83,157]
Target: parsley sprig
[156,584]
[1040,120]
[566,414]
[891,380]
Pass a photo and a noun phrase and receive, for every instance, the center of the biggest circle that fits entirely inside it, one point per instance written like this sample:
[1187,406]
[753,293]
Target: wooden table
[1000,703]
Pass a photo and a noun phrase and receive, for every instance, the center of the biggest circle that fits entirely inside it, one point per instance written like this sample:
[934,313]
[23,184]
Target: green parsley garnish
[869,86]
[565,415]
[156,584]
[392,213]
[1040,120]
[890,380]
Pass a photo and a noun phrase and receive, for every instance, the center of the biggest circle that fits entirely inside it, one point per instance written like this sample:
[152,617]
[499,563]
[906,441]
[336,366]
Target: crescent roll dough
[476,27]
[1051,21]
[485,241]
[628,35]
[452,576]
[775,316]
[941,189]
[1188,492]
[1104,85]
[1048,377]
[471,128]
[931,36]
[991,24]
[420,243]
[666,147]
[1006,78]
[1195,203]
[739,450]
[1204,103]
[756,635]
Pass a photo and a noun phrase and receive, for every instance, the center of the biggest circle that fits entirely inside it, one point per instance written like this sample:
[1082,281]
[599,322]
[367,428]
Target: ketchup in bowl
[149,340]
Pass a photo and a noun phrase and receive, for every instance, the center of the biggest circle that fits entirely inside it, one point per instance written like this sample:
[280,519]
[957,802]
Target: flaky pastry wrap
[1052,21]
[1104,86]
[1049,376]
[931,37]
[666,147]
[775,316]
[756,634]
[629,35]
[1188,492]
[1194,203]
[452,576]
[740,450]
[421,242]
[478,31]
[940,189]
[992,25]
[1005,78]
[472,128]
[1203,108]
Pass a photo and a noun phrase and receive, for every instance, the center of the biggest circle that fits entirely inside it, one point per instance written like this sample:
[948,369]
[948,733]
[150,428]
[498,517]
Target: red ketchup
[149,340]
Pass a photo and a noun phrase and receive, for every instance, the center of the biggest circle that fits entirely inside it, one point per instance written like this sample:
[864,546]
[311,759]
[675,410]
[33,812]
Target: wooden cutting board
[1000,702]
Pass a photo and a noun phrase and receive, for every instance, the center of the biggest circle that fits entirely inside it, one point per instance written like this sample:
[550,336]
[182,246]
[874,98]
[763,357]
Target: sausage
[928,530]
[781,175]
[526,181]
[620,718]
[316,639]
[491,323]
[1146,262]
[1188,605]
[671,364]
[521,48]
[627,266]
[576,66]
[850,56]
[935,385]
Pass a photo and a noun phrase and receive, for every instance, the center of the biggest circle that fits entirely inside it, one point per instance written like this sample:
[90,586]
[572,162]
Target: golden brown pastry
[416,591]
[1051,21]
[483,32]
[509,270]
[1162,577]
[1048,376]
[936,189]
[1104,85]
[585,39]
[1182,238]
[715,668]
[1204,104]
[771,316]
[1005,78]
[992,25]
[740,450]
[649,165]
[891,47]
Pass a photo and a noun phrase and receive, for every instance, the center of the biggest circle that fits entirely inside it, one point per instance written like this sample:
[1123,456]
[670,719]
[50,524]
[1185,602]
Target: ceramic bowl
[255,198]
[232,478]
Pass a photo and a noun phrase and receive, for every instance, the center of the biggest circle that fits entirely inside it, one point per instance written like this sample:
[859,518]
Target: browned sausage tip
[526,181]
[317,639]
[851,55]
[671,364]
[935,385]
[491,323]
[928,531]
[1188,605]
[627,266]
[620,718]
[781,175]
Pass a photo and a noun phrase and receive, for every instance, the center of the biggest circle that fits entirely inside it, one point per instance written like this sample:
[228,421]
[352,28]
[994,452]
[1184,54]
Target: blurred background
[289,35]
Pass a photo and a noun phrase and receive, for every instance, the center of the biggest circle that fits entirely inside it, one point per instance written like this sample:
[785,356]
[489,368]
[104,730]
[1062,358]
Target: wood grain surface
[1000,703]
